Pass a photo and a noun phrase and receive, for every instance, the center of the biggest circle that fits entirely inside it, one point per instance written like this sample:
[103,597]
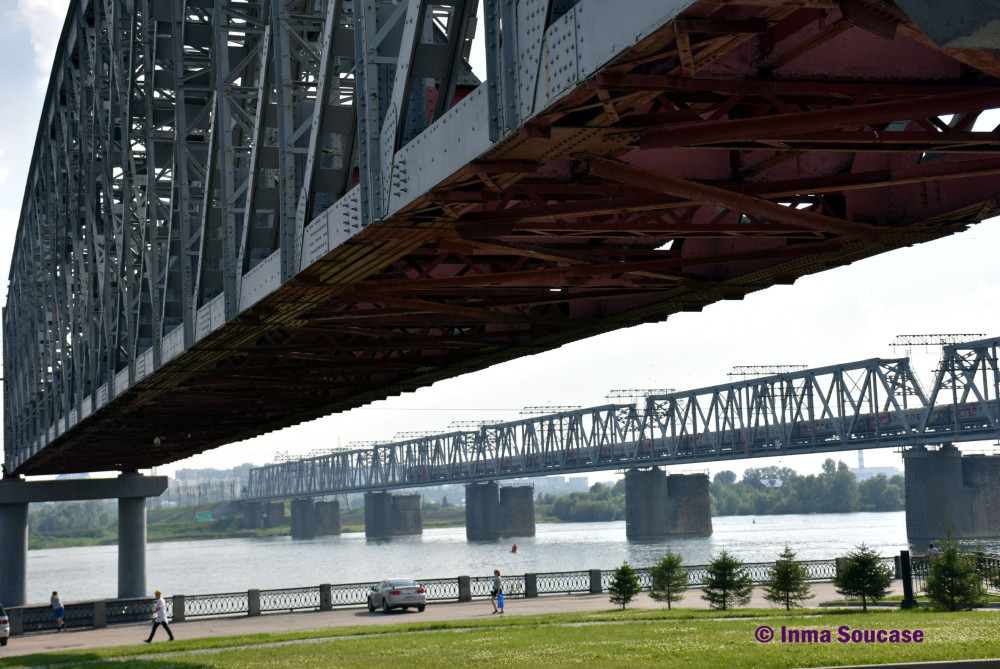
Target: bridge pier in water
[130,489]
[388,515]
[492,512]
[947,490]
[311,518]
[253,515]
[658,505]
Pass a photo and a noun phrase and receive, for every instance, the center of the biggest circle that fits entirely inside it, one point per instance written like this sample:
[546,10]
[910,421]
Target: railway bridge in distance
[868,404]
[245,214]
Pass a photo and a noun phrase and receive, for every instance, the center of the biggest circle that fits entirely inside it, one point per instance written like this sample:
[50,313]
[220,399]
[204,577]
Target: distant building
[864,473]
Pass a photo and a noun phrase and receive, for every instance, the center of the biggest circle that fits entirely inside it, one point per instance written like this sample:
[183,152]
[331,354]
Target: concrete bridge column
[328,518]
[253,515]
[303,519]
[131,490]
[389,515]
[483,516]
[131,547]
[689,505]
[646,504]
[947,491]
[406,514]
[378,514]
[274,514]
[658,506]
[14,539]
[517,509]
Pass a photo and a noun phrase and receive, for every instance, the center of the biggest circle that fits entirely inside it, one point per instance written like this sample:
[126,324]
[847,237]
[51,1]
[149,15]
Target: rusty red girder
[747,144]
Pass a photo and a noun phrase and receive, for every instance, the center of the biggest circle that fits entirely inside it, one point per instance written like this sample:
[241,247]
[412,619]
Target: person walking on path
[497,594]
[160,617]
[58,611]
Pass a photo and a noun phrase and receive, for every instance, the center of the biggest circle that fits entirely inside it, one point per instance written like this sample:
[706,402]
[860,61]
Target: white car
[397,593]
[4,627]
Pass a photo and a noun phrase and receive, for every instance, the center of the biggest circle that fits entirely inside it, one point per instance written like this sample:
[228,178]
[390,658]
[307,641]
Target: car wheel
[420,608]
[371,607]
[385,606]
[3,642]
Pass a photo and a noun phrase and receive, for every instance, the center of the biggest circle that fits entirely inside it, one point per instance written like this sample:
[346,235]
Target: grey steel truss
[868,404]
[244,214]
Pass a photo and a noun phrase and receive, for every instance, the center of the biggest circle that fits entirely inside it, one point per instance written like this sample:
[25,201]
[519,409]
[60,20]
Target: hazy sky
[846,314]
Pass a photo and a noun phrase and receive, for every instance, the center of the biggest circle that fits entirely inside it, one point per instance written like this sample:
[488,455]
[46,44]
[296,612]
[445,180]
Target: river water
[232,565]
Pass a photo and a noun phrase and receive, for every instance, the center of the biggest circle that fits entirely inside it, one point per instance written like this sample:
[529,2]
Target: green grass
[632,638]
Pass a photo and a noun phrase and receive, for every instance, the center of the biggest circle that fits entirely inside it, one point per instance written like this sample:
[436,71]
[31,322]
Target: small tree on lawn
[727,583]
[862,574]
[624,585]
[952,580]
[669,579]
[787,581]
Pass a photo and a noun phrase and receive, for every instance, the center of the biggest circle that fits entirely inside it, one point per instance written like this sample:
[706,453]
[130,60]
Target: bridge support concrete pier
[253,515]
[14,537]
[303,519]
[658,506]
[389,515]
[131,547]
[948,491]
[328,518]
[517,509]
[492,512]
[274,514]
[482,510]
[130,489]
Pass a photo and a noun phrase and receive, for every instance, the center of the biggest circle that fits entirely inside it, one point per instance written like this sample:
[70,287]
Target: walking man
[160,617]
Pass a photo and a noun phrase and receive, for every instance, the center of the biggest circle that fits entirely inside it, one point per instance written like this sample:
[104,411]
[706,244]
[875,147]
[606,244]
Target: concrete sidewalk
[130,634]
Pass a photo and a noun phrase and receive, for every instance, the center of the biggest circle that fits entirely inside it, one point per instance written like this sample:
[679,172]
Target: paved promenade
[124,635]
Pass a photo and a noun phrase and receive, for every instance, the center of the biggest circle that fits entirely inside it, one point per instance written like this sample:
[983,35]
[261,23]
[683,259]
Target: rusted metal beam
[548,277]
[936,170]
[720,197]
[793,124]
[840,92]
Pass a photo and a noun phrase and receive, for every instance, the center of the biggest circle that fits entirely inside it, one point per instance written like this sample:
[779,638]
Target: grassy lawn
[633,638]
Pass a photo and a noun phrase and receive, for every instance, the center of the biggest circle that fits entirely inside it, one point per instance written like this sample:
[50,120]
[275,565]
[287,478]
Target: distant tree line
[761,491]
[600,503]
[54,524]
[835,490]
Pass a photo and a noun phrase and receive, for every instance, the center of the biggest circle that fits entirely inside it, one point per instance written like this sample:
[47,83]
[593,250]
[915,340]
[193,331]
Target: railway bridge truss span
[867,404]
[245,214]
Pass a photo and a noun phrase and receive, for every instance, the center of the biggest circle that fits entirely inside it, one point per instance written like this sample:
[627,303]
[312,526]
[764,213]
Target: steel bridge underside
[739,144]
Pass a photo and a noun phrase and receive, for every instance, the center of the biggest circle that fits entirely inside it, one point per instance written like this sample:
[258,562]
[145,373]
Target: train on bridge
[887,428]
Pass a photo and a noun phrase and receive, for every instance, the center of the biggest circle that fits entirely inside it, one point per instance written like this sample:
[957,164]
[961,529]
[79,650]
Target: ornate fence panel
[133,610]
[989,567]
[39,618]
[289,599]
[563,582]
[225,604]
[350,594]
[440,589]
